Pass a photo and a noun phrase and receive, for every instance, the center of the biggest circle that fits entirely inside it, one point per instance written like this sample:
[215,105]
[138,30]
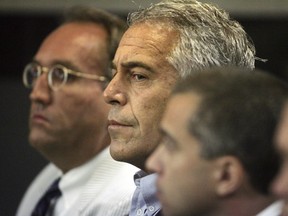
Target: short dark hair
[114,25]
[237,115]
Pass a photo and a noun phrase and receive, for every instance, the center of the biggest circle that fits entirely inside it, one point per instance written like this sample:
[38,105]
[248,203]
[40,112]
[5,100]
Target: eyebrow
[171,140]
[163,132]
[134,64]
[67,64]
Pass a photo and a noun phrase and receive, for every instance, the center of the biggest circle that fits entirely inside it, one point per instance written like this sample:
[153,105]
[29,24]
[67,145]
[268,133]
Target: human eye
[169,143]
[138,77]
[57,74]
[138,74]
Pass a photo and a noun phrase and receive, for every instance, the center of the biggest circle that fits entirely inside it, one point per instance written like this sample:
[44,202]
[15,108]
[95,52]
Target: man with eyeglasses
[68,121]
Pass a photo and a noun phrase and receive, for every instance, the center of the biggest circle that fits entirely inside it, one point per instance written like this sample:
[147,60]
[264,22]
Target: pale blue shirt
[144,201]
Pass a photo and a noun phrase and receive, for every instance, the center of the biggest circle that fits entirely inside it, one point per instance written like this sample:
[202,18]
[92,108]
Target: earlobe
[229,175]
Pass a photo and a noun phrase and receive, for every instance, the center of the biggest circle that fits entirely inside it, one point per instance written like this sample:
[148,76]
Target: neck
[67,158]
[244,206]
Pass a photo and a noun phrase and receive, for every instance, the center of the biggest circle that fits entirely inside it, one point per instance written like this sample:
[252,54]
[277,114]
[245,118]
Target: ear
[229,175]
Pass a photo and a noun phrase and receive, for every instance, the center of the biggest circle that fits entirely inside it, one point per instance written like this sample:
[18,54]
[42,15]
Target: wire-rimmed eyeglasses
[57,75]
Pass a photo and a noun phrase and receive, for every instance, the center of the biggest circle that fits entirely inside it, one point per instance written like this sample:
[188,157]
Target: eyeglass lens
[31,73]
[57,76]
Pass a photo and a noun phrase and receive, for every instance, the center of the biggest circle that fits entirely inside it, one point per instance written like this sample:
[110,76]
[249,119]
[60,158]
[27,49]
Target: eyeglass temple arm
[89,76]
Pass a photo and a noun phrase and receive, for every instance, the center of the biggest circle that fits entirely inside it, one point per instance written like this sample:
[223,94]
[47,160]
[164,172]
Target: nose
[41,91]
[115,93]
[154,163]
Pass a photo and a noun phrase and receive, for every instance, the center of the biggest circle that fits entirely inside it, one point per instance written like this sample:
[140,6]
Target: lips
[37,114]
[114,123]
[38,118]
[117,126]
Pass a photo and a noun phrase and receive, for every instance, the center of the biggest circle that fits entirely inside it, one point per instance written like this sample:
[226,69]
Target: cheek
[86,93]
[177,184]
[190,172]
[96,102]
[280,184]
[180,169]
[96,109]
[88,102]
[150,108]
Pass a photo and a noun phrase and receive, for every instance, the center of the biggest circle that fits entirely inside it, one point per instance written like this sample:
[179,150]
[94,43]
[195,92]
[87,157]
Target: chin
[116,156]
[36,142]
[42,142]
[117,151]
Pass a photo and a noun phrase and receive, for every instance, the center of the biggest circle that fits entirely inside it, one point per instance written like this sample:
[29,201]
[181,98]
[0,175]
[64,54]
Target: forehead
[180,109]
[158,36]
[145,38]
[77,34]
[75,42]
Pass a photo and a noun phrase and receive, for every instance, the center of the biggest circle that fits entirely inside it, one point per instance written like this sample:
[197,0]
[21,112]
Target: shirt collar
[147,184]
[72,182]
[274,209]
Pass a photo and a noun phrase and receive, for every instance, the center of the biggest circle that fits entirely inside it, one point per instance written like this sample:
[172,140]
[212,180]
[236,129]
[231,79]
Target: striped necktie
[45,205]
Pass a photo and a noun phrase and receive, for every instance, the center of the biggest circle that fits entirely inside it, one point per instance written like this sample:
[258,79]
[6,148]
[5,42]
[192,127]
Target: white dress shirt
[272,210]
[101,187]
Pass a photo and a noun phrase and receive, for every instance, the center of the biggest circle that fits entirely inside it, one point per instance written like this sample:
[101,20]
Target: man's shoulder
[37,188]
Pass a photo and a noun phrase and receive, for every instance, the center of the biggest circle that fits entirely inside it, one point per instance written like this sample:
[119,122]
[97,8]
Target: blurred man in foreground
[216,157]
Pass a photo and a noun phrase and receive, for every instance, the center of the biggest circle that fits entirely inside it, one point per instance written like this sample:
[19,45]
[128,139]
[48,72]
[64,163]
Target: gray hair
[208,36]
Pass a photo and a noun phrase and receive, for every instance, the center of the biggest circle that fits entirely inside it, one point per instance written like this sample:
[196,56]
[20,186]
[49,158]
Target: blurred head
[280,185]
[218,141]
[68,124]
[165,42]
